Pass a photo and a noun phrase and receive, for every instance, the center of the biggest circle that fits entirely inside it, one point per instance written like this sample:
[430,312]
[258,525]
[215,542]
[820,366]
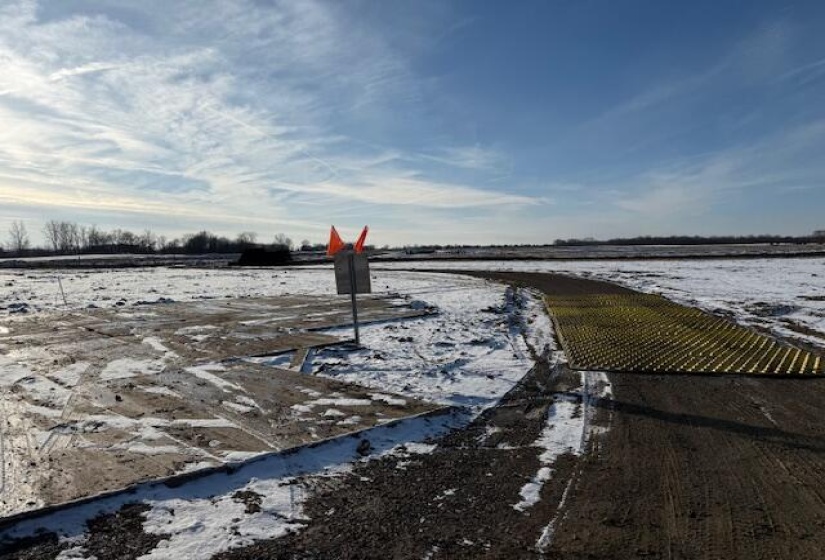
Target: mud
[456,502]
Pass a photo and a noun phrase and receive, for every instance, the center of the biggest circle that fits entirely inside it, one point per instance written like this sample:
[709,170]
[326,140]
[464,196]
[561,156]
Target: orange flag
[335,242]
[359,245]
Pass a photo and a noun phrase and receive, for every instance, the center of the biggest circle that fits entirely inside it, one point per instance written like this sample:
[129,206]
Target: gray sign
[360,272]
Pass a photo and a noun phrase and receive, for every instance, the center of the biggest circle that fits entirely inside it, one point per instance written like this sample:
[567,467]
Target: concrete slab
[97,401]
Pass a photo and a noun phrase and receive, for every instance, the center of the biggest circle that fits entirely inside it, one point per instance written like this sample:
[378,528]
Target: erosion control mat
[606,327]
[648,333]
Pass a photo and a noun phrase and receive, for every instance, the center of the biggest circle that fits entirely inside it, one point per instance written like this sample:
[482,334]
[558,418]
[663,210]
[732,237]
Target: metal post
[62,293]
[353,292]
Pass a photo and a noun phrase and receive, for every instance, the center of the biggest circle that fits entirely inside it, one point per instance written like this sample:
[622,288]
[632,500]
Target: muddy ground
[691,467]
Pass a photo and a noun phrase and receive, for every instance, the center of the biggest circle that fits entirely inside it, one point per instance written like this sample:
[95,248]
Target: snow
[123,368]
[205,372]
[468,354]
[770,293]
[388,399]
[11,372]
[562,433]
[203,517]
[243,409]
[568,429]
[160,390]
[70,375]
[158,345]
[340,402]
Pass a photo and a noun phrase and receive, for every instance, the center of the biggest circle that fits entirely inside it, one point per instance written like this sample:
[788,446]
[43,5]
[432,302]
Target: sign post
[352,276]
[354,291]
[352,271]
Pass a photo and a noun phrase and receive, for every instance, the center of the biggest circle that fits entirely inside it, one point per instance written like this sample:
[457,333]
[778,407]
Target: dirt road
[699,467]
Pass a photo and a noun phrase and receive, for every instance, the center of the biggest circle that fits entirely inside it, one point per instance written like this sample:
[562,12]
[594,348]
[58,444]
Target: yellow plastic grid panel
[648,333]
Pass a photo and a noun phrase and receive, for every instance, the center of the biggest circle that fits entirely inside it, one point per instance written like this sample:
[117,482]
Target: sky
[473,121]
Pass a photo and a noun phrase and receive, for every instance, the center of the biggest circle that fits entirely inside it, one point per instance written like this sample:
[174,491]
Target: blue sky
[452,122]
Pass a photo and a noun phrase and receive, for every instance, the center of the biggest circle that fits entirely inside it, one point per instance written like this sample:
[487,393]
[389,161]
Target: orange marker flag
[335,242]
[359,245]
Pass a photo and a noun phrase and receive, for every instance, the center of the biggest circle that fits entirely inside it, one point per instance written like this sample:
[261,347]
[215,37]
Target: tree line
[815,237]
[70,238]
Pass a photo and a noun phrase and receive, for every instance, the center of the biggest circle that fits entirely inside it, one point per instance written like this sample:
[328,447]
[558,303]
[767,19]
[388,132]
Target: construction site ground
[98,400]
[676,466]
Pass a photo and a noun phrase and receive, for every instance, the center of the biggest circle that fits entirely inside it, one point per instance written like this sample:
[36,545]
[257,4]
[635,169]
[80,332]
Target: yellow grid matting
[648,333]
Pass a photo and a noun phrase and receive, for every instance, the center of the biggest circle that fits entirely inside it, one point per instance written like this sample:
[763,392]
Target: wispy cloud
[779,162]
[204,106]
[289,115]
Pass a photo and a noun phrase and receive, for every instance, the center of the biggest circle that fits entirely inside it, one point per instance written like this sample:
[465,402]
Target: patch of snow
[45,411]
[123,368]
[243,399]
[159,390]
[281,360]
[205,372]
[469,354]
[158,345]
[351,421]
[243,409]
[194,330]
[71,374]
[340,402]
[561,434]
[144,449]
[11,372]
[388,399]
[203,423]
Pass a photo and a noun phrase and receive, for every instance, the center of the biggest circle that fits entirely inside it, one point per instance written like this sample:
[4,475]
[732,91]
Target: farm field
[530,459]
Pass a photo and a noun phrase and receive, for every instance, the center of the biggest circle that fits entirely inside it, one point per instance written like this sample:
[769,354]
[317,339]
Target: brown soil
[453,503]
[698,467]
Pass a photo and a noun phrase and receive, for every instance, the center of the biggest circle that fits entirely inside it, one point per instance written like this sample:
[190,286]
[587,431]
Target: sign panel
[361,273]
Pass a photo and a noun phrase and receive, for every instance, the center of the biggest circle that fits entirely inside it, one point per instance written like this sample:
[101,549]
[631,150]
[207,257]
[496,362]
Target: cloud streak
[289,115]
[214,105]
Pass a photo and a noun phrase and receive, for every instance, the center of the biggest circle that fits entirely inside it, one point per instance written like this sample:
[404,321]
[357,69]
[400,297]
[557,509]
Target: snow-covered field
[468,355]
[778,294]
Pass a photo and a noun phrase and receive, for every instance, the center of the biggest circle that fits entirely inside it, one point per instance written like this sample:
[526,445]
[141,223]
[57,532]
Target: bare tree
[68,237]
[126,237]
[148,241]
[18,237]
[52,232]
[83,238]
[96,238]
[246,238]
[282,240]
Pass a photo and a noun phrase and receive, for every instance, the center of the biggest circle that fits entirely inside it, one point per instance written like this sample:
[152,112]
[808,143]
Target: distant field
[552,253]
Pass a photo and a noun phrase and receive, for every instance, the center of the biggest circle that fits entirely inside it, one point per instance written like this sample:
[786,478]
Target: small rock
[364,447]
